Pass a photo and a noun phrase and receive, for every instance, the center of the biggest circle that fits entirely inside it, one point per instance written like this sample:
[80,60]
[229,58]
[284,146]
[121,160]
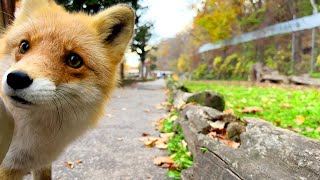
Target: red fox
[61,70]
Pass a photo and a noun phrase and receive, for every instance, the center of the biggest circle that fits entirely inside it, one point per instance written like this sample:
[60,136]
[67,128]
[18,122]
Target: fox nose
[18,80]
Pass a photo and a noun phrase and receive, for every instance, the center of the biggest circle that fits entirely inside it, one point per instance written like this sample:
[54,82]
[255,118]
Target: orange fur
[54,33]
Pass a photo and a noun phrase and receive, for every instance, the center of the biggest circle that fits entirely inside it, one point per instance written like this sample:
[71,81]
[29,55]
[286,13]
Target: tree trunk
[122,71]
[8,7]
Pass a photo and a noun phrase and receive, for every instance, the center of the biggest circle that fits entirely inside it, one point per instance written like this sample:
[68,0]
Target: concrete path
[113,150]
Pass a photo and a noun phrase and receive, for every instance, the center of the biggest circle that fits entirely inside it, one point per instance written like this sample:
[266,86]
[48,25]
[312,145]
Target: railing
[305,23]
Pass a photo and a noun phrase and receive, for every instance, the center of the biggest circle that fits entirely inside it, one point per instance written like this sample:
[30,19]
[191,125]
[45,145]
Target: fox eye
[24,47]
[74,60]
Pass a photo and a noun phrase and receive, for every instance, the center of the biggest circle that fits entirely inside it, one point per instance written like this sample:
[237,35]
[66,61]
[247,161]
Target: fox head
[58,58]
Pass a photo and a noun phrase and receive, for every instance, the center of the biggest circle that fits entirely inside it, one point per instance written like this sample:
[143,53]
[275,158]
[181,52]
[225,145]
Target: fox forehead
[58,32]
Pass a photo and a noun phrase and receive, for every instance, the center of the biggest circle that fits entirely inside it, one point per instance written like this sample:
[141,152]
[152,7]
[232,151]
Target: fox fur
[65,101]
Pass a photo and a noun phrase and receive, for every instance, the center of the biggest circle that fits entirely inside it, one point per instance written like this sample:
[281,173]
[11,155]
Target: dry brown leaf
[252,110]
[166,165]
[149,141]
[230,143]
[71,164]
[147,110]
[162,146]
[161,160]
[212,134]
[146,134]
[217,124]
[159,123]
[78,162]
[166,135]
[300,119]
[228,112]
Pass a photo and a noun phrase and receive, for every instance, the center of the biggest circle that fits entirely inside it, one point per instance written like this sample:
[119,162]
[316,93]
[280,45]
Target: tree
[93,6]
[140,44]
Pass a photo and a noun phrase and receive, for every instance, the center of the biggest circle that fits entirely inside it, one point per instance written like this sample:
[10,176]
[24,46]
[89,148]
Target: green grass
[280,106]
[176,146]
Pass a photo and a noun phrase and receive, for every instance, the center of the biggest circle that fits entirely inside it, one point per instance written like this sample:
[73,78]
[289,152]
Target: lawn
[294,109]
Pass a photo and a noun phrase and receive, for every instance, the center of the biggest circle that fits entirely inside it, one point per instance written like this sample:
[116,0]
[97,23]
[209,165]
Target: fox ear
[115,27]
[27,7]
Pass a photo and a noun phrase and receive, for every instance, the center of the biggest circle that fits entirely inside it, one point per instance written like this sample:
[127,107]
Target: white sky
[169,18]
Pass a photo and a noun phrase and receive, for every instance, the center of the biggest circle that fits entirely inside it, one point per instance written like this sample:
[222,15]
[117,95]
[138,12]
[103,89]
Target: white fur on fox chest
[39,139]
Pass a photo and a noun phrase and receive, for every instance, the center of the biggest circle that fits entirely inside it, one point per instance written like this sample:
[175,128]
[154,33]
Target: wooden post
[315,11]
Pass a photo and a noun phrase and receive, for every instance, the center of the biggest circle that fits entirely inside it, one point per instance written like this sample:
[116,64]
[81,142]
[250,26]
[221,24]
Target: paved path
[113,150]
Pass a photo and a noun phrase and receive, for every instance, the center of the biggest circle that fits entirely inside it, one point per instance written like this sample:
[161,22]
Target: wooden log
[266,152]
[304,80]
[205,98]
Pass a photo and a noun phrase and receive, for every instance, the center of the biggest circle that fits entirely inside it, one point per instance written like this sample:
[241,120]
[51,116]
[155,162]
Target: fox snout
[18,80]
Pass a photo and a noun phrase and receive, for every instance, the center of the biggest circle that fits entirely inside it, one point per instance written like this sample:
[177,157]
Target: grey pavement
[113,150]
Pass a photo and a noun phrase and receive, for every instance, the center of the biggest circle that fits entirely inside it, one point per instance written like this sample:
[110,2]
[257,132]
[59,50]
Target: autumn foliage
[220,19]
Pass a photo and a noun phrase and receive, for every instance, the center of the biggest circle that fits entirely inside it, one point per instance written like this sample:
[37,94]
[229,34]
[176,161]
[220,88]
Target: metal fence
[284,28]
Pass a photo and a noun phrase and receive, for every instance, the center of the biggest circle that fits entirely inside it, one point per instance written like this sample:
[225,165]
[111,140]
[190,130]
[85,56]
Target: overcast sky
[169,18]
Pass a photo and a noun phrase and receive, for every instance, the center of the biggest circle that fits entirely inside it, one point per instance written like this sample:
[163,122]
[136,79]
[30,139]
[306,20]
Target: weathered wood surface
[6,129]
[266,152]
[304,80]
[205,98]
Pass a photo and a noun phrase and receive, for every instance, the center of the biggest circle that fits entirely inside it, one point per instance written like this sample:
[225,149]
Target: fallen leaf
[230,143]
[173,155]
[146,134]
[184,143]
[286,106]
[147,110]
[309,129]
[166,135]
[150,142]
[217,124]
[278,122]
[78,162]
[300,119]
[162,146]
[249,110]
[161,160]
[189,153]
[228,111]
[71,164]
